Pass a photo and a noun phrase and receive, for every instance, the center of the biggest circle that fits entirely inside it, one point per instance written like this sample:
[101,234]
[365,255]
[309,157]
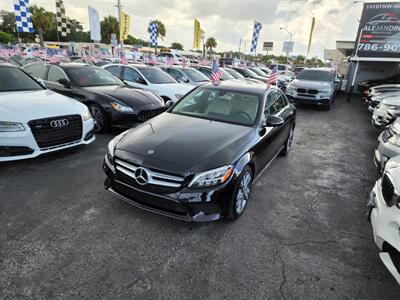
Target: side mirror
[337,80]
[274,121]
[140,80]
[168,104]
[65,82]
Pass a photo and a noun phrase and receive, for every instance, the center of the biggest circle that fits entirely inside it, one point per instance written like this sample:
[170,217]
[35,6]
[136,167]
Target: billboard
[287,47]
[268,46]
[379,31]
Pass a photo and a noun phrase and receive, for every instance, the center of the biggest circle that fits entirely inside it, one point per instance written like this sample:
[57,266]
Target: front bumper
[383,152]
[130,119]
[385,224]
[308,99]
[185,204]
[27,147]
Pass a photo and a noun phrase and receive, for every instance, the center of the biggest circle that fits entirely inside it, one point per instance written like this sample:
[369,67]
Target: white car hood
[176,88]
[394,100]
[308,84]
[30,105]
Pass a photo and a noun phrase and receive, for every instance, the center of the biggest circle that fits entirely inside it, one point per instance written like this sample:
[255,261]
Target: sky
[228,21]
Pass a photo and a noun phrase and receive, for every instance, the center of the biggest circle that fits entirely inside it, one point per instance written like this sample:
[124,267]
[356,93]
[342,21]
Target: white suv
[384,213]
[34,120]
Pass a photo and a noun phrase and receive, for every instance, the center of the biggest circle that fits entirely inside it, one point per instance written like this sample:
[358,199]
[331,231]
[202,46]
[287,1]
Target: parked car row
[384,200]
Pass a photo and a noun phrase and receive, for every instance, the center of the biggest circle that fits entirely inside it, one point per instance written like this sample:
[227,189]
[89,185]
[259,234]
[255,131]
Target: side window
[131,75]
[178,76]
[206,72]
[55,74]
[281,68]
[115,70]
[274,103]
[37,70]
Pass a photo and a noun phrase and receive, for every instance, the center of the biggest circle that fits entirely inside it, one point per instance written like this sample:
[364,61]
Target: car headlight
[120,107]
[326,91]
[113,143]
[212,177]
[290,88]
[178,96]
[11,126]
[86,115]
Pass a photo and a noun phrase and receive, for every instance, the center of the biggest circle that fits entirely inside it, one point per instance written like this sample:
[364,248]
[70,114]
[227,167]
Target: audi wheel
[99,118]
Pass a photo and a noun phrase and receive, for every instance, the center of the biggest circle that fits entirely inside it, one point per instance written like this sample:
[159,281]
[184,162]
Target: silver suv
[316,86]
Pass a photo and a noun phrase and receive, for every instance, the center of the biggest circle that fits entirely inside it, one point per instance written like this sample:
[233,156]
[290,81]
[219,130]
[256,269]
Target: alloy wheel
[243,193]
[97,118]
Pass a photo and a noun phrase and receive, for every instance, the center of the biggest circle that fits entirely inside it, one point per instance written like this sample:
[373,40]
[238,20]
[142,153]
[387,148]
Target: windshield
[226,74]
[14,79]
[194,75]
[91,76]
[220,105]
[258,72]
[156,75]
[235,74]
[251,73]
[315,75]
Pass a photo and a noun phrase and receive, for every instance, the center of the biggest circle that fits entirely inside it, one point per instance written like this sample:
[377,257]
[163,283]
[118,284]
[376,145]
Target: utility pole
[121,42]
[240,46]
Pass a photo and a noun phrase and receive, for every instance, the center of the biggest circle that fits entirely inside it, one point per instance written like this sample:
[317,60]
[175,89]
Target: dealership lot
[304,234]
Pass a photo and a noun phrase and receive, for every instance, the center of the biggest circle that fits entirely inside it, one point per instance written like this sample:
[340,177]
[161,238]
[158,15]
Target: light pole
[290,41]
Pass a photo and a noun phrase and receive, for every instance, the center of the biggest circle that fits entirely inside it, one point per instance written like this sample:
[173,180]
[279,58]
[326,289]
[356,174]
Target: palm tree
[211,43]
[42,20]
[108,26]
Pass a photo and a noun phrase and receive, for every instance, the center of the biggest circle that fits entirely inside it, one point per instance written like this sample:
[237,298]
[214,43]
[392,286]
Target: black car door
[59,82]
[286,112]
[269,142]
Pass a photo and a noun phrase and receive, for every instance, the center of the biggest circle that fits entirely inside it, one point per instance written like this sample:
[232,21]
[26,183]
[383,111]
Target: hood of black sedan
[131,97]
[187,141]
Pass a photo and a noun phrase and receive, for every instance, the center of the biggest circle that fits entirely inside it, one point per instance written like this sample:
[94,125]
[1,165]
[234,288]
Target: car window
[91,76]
[315,75]
[206,72]
[131,75]
[194,75]
[36,70]
[274,103]
[115,70]
[14,79]
[281,68]
[55,74]
[220,105]
[155,75]
[177,75]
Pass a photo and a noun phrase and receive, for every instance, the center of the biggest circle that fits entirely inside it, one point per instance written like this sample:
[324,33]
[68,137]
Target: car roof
[236,85]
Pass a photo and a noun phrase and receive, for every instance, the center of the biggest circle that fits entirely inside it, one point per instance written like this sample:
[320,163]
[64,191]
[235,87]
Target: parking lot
[304,234]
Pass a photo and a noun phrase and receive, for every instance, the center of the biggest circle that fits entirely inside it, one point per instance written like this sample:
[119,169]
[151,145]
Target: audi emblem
[141,176]
[59,123]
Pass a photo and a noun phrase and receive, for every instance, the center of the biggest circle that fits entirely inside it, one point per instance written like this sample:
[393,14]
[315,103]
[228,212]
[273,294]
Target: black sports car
[111,102]
[198,160]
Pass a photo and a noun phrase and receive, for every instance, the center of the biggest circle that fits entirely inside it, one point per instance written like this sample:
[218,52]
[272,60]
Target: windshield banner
[379,31]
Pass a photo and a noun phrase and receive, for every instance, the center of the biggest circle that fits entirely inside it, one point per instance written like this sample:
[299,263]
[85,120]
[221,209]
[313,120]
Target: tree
[211,43]
[161,32]
[6,37]
[42,20]
[108,26]
[177,46]
[131,40]
[8,23]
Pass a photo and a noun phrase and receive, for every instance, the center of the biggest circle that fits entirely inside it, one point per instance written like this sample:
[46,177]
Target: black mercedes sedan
[111,102]
[198,160]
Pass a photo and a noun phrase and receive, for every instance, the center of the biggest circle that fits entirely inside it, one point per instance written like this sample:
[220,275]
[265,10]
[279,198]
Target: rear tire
[241,194]
[101,123]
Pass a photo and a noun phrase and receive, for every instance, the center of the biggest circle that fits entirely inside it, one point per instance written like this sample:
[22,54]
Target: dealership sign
[268,46]
[379,31]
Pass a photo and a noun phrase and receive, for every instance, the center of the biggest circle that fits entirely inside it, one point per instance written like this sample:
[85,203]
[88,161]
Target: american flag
[169,61]
[272,78]
[51,56]
[216,74]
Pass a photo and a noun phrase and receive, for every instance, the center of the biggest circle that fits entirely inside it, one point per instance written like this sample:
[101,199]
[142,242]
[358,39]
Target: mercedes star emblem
[151,151]
[141,176]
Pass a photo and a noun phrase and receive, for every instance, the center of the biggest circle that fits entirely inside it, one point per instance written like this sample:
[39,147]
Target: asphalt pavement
[304,234]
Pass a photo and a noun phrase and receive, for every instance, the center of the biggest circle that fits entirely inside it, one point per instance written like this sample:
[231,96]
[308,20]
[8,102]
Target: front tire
[241,194]
[99,117]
